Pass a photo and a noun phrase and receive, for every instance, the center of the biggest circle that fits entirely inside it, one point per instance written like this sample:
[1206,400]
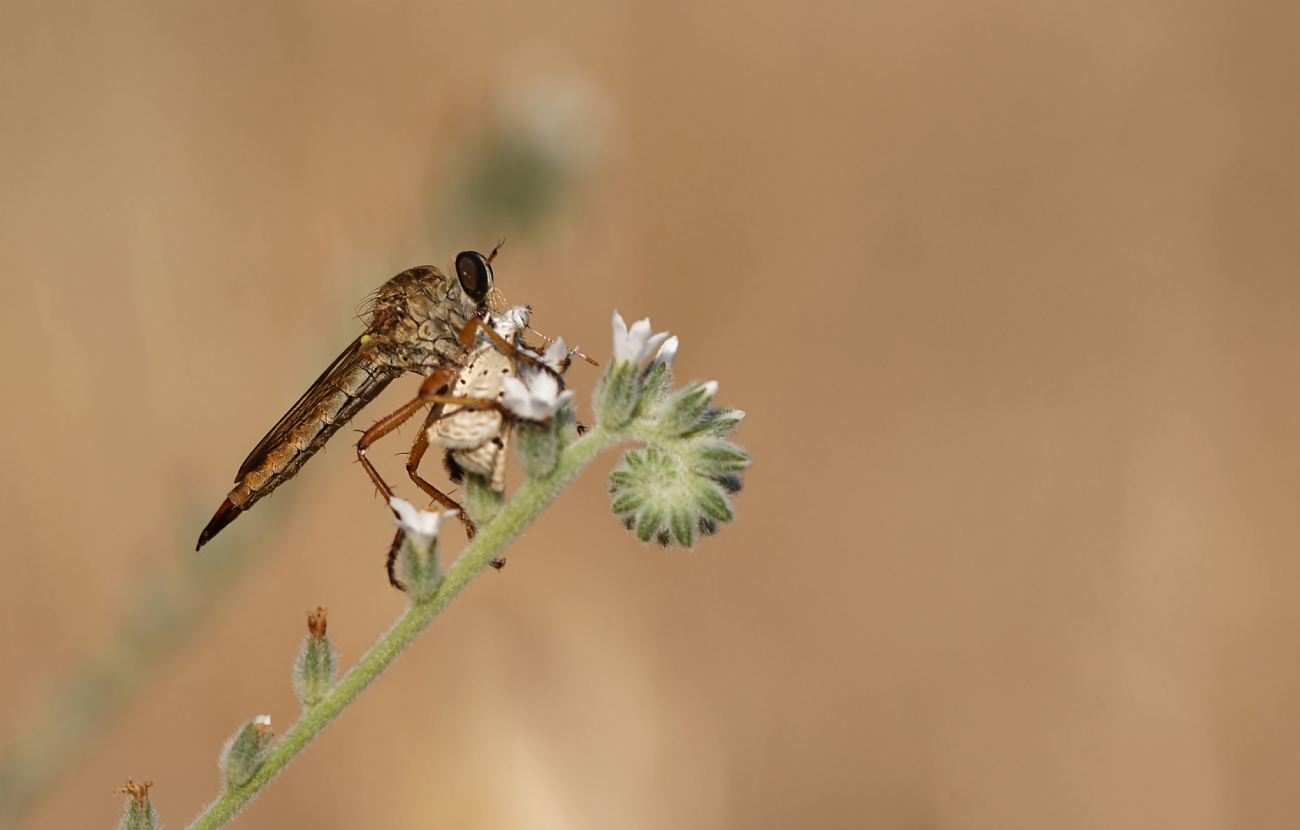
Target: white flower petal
[534,396]
[420,526]
[556,356]
[262,720]
[649,347]
[620,335]
[636,344]
[666,354]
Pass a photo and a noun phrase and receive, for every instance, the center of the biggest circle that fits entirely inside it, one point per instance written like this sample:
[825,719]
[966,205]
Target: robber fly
[415,323]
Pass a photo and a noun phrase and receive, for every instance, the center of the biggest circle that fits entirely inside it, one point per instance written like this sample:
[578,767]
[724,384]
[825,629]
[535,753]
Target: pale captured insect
[474,438]
[414,323]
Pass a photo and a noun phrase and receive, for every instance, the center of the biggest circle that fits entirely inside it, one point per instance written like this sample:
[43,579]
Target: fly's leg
[418,450]
[391,566]
[475,325]
[388,423]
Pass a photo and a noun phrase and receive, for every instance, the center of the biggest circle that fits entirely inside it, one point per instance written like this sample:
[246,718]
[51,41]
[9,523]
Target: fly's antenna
[550,341]
[495,250]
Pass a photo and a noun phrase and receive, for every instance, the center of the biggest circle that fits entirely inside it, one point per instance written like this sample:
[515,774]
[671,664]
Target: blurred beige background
[1009,291]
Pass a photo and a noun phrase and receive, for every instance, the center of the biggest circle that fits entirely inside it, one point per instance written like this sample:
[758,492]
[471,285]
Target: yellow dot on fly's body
[365,338]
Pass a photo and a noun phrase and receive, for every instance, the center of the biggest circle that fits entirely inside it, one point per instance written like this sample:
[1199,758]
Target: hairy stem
[526,505]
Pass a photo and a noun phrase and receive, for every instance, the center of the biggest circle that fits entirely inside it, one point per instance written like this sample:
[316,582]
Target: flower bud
[139,813]
[418,558]
[684,410]
[537,446]
[316,670]
[660,496]
[617,394]
[245,752]
[482,503]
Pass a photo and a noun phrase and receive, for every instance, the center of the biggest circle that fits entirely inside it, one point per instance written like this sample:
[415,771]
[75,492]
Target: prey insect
[466,415]
[414,324]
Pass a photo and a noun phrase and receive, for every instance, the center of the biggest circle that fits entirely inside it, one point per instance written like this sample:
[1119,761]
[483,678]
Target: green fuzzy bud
[419,568]
[617,394]
[683,411]
[246,751]
[316,670]
[537,446]
[482,503]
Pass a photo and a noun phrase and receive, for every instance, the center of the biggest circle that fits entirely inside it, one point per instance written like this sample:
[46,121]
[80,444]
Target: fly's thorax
[421,312]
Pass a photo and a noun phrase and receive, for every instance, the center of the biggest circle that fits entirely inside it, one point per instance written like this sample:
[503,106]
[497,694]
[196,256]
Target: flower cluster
[679,485]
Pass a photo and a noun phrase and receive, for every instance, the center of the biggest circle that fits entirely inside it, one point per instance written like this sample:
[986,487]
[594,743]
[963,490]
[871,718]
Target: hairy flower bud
[537,446]
[482,503]
[139,813]
[245,752]
[316,670]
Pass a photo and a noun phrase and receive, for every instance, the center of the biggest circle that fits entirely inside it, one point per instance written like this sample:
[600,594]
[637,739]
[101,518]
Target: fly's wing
[351,381]
[323,387]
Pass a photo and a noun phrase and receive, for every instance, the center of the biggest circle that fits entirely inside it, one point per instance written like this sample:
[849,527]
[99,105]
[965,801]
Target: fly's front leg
[475,325]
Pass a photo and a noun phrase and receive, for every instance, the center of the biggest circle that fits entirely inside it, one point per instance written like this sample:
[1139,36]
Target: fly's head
[474,271]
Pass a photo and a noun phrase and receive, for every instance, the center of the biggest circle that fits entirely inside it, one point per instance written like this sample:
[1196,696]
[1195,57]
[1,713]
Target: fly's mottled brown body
[413,325]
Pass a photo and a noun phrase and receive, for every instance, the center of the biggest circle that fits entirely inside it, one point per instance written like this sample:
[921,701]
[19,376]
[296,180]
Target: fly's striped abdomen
[355,379]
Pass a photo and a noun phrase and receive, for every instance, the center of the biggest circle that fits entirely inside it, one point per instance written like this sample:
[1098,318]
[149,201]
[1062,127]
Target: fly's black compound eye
[475,274]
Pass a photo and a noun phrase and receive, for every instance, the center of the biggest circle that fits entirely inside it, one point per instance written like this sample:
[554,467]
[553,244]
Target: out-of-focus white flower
[557,356]
[535,397]
[667,352]
[420,526]
[636,344]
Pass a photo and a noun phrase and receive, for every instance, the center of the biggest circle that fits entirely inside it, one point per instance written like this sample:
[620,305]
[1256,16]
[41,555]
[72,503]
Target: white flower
[262,720]
[535,397]
[557,356]
[511,321]
[636,345]
[420,526]
[667,352]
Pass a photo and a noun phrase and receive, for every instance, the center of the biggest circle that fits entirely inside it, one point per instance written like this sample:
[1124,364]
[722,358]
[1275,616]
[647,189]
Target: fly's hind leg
[418,449]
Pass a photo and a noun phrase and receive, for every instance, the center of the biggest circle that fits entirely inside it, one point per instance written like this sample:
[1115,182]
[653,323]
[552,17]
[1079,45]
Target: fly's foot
[498,563]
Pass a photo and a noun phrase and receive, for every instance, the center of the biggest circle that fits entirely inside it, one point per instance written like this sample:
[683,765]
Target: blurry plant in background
[546,132]
[526,155]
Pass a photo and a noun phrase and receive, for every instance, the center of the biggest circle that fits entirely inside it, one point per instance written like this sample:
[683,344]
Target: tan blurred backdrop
[1008,290]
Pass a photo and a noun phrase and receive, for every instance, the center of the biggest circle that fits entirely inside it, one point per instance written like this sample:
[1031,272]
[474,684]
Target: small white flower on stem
[262,724]
[667,352]
[420,526]
[534,396]
[636,344]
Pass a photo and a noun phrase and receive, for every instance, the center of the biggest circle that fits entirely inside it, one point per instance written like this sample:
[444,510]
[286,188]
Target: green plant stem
[526,505]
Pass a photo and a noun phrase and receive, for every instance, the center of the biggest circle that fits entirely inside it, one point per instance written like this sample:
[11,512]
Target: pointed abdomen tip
[225,514]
